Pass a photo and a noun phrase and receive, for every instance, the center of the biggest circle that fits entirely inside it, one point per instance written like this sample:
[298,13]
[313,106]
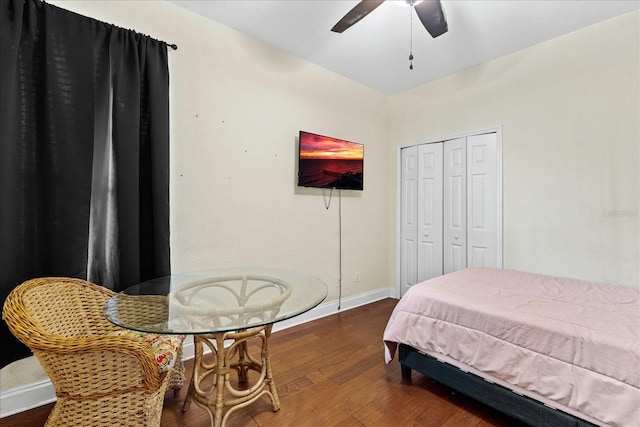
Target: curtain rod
[173,46]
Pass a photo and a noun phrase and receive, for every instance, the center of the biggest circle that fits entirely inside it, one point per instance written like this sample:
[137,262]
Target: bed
[545,350]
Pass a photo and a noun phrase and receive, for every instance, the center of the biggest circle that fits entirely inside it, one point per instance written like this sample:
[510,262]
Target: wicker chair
[100,378]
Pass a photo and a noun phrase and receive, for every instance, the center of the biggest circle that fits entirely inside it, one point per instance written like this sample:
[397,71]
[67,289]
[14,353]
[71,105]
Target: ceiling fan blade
[361,10]
[432,16]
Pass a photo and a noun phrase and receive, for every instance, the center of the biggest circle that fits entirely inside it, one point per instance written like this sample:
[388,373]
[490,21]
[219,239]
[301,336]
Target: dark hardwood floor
[331,372]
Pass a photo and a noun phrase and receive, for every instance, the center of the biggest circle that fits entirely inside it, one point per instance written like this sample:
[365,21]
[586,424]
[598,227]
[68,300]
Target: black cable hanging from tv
[326,206]
[339,249]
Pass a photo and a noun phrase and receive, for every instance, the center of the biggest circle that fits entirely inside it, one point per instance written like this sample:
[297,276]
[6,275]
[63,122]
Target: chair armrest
[110,346]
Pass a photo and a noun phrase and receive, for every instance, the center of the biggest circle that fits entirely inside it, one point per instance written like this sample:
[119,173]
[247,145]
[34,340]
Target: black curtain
[84,152]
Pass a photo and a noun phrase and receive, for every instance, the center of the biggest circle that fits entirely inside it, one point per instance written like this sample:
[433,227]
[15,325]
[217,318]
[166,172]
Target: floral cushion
[165,347]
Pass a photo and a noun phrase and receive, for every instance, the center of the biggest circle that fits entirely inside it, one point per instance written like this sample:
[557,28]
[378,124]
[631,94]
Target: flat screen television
[326,162]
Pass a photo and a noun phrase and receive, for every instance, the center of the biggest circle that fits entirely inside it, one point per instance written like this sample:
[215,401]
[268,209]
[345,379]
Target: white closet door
[409,218]
[482,200]
[429,211]
[455,205]
[451,207]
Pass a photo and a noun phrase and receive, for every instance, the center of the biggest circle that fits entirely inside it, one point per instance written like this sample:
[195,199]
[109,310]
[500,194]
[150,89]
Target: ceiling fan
[429,11]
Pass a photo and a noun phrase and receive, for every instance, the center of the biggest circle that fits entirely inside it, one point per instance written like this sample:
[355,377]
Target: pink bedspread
[572,342]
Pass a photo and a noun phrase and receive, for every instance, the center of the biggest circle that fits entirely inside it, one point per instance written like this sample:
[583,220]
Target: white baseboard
[40,393]
[26,397]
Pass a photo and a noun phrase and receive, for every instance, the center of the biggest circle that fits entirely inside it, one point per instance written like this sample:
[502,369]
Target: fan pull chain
[411,36]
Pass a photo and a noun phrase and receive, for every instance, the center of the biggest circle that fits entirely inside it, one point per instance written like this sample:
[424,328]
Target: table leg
[220,395]
[275,401]
[198,351]
[241,366]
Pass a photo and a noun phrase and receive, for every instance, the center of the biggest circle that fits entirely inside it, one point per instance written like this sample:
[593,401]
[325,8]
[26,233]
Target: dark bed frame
[521,408]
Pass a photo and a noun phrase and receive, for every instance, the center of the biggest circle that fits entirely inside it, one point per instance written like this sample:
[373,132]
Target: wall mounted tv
[326,162]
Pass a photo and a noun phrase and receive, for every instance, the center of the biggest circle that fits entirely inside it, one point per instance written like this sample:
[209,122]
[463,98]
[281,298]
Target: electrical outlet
[357,277]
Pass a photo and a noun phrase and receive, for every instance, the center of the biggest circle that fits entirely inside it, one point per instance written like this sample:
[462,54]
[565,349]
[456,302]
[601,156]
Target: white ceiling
[375,51]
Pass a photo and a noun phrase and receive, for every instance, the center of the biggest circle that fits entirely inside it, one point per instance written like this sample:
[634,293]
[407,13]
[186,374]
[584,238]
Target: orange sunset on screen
[322,147]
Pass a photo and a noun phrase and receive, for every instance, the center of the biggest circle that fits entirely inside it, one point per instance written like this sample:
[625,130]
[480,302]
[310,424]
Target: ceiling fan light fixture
[406,3]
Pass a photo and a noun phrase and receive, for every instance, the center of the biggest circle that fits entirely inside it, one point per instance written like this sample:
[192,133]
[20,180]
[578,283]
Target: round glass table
[224,310]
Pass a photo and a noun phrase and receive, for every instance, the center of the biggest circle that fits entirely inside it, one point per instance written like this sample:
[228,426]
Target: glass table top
[214,301]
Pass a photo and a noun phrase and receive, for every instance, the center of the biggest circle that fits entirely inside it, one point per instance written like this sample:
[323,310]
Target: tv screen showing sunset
[327,162]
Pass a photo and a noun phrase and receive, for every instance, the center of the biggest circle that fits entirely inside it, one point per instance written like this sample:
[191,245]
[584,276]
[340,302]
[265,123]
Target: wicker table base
[210,385]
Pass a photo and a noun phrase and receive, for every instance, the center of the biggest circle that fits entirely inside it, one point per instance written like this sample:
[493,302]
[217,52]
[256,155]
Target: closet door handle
[426,234]
[456,237]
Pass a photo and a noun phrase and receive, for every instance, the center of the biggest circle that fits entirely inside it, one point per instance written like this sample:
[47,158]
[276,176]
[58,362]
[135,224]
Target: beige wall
[571,134]
[236,108]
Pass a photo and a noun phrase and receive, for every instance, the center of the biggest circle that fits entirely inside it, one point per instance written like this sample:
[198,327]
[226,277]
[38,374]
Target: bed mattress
[573,343]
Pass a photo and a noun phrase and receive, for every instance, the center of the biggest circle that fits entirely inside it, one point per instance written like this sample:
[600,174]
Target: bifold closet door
[429,211]
[408,217]
[455,205]
[470,203]
[482,202]
[450,208]
[421,214]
